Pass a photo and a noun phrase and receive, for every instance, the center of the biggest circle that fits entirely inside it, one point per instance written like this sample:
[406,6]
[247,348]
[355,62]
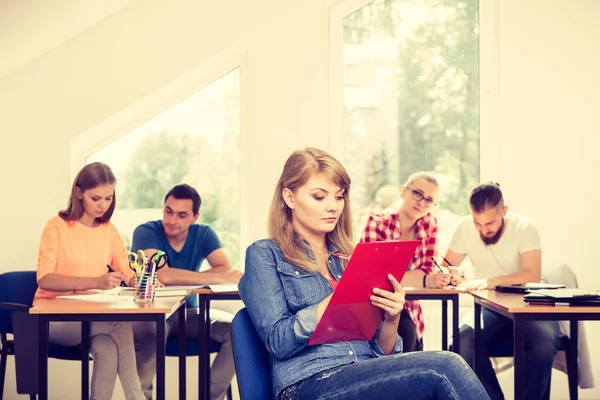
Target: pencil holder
[145,284]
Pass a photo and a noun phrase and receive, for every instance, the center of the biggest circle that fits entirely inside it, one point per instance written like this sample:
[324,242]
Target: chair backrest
[252,363]
[560,274]
[15,287]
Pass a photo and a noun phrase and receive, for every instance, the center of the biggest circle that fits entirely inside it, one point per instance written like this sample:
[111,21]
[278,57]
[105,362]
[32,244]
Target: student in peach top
[75,249]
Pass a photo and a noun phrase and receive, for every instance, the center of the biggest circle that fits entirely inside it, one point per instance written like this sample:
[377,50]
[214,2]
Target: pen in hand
[441,270]
[447,262]
[437,265]
[112,270]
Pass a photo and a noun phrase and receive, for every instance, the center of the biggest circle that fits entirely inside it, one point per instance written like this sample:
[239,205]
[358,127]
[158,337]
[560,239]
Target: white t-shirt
[502,258]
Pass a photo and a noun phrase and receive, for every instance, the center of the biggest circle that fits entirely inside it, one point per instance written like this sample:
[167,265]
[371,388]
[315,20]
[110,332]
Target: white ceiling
[30,28]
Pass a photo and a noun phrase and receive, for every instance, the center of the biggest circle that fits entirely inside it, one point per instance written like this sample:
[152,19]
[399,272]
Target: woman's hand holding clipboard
[350,314]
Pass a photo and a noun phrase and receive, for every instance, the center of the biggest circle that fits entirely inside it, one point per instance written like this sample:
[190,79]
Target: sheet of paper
[97,298]
[114,291]
[568,293]
[224,287]
[181,287]
[170,288]
[165,291]
[168,293]
[539,285]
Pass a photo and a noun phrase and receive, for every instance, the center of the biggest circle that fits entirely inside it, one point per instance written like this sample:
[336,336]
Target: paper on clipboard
[350,314]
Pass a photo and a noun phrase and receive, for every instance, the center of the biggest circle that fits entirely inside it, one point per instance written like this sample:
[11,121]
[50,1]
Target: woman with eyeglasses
[412,220]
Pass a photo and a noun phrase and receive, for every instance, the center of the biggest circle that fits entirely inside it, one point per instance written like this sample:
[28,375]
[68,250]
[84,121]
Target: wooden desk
[512,306]
[204,298]
[444,295]
[85,311]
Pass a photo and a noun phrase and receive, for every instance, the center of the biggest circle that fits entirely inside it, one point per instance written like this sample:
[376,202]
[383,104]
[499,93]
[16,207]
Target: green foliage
[158,163]
[437,111]
[163,160]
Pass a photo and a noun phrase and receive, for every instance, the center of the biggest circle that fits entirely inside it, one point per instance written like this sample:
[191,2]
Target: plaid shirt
[385,226]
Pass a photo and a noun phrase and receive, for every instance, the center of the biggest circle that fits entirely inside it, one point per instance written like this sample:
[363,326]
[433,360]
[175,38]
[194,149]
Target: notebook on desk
[528,287]
[221,287]
[569,293]
[576,297]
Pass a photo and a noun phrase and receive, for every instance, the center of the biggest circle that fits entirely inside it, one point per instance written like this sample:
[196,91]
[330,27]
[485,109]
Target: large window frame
[160,100]
[489,134]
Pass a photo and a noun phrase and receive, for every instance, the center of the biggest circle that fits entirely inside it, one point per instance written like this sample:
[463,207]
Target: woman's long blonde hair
[298,169]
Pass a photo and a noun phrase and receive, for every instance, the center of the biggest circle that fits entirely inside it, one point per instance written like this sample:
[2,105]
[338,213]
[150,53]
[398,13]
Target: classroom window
[411,102]
[196,141]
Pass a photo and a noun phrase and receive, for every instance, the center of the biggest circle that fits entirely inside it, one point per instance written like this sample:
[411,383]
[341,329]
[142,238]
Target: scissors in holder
[158,260]
[138,261]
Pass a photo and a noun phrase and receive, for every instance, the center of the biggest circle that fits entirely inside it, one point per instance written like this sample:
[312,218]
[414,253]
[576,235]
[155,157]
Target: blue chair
[17,290]
[191,349]
[252,360]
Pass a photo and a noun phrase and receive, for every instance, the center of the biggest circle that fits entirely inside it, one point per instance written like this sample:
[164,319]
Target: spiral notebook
[569,293]
[572,296]
[528,287]
[350,314]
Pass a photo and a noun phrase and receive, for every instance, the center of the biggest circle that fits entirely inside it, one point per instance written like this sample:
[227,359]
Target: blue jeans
[541,344]
[425,375]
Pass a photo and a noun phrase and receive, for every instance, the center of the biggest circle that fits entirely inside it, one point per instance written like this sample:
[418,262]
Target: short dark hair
[183,192]
[486,195]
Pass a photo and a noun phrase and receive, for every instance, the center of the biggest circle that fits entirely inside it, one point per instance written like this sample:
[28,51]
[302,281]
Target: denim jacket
[282,302]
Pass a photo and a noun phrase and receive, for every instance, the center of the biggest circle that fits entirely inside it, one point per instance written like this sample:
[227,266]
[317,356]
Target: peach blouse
[73,249]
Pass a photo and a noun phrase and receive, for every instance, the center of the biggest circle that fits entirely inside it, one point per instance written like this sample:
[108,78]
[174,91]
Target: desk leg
[455,331]
[85,360]
[572,362]
[204,344]
[160,356]
[43,328]
[444,324]
[519,349]
[477,339]
[182,314]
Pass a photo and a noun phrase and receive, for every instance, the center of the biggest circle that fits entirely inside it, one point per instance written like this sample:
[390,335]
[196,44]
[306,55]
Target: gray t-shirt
[502,258]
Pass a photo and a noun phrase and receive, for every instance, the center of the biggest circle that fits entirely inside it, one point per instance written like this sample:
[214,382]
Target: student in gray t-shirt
[504,249]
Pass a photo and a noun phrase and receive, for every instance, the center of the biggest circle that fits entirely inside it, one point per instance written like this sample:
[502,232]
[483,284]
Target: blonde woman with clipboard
[287,285]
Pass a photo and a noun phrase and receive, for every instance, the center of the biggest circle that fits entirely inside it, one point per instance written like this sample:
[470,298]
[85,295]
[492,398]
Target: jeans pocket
[289,393]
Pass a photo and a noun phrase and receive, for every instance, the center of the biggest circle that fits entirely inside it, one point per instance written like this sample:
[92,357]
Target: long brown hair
[90,176]
[298,169]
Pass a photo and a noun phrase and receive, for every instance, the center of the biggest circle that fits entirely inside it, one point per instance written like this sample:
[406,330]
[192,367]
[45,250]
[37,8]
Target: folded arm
[221,271]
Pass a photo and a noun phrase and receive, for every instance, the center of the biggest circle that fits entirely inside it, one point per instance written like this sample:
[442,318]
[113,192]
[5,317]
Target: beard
[490,240]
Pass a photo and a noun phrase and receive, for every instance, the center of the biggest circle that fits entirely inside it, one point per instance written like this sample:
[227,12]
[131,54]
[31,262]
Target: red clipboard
[350,314]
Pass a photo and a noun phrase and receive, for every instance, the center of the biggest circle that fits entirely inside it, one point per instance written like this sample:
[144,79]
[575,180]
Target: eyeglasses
[418,196]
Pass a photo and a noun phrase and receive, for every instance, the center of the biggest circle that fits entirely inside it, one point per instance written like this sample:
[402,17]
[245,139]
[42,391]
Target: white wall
[76,86]
[542,150]
[549,132]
